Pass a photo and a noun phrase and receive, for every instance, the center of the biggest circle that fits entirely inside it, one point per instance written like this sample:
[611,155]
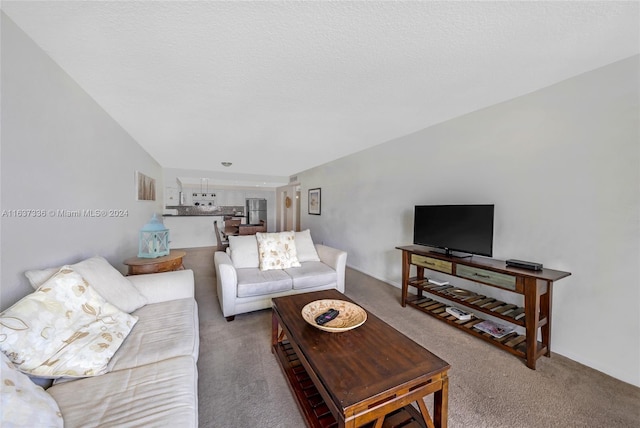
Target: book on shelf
[494,329]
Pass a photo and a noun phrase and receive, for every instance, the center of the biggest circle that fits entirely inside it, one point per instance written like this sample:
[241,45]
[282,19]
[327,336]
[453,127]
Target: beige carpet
[241,385]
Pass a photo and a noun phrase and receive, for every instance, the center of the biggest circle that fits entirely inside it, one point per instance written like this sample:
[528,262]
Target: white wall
[561,166]
[60,150]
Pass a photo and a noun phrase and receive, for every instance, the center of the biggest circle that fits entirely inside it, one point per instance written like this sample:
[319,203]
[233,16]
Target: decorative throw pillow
[305,248]
[106,280]
[63,329]
[23,402]
[277,250]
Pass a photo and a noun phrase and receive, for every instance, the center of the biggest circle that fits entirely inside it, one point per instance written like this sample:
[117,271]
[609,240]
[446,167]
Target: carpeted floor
[241,385]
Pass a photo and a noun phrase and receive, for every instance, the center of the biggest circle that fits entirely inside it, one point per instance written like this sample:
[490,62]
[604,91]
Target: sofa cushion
[277,250]
[255,282]
[312,274]
[244,251]
[305,248]
[23,402]
[164,330]
[64,328]
[162,394]
[107,280]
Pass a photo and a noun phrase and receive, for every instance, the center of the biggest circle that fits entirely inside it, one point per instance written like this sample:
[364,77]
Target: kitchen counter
[197,211]
[212,214]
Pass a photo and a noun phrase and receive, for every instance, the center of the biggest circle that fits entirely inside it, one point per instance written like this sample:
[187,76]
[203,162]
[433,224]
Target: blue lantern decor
[154,239]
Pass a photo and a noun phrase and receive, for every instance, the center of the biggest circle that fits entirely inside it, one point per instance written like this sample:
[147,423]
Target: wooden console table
[138,265]
[535,286]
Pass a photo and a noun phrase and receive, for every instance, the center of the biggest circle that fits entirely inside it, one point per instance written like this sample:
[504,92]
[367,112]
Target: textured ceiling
[280,87]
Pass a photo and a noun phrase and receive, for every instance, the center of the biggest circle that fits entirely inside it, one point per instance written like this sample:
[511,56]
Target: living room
[560,162]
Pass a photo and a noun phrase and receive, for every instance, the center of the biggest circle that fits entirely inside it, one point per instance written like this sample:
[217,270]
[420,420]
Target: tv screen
[462,228]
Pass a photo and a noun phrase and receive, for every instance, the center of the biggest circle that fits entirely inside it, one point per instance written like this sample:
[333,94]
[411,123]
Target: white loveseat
[245,284]
[150,381]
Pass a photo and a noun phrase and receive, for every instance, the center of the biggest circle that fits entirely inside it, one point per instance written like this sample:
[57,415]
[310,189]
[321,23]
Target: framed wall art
[314,201]
[145,187]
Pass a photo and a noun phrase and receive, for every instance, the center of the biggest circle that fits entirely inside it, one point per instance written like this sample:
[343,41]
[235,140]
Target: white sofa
[152,378]
[244,286]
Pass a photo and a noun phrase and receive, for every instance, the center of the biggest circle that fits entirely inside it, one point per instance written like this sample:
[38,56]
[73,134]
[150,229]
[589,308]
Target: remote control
[324,318]
[458,313]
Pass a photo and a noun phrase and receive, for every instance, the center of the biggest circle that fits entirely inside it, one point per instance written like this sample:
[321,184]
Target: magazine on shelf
[494,329]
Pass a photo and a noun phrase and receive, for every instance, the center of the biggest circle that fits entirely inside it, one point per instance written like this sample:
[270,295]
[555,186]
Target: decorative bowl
[459,292]
[350,316]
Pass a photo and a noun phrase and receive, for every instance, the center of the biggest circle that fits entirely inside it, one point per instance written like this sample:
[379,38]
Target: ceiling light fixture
[226,164]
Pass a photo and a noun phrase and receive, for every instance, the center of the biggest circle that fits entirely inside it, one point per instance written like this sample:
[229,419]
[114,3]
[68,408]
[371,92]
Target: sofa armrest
[336,259]
[165,286]
[227,283]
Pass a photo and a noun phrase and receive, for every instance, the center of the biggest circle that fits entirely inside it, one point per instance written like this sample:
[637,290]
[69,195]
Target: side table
[138,265]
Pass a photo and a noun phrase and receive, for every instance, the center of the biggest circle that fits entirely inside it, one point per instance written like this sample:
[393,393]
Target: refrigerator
[256,210]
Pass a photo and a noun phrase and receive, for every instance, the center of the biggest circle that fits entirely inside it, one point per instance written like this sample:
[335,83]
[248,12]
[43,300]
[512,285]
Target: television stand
[535,287]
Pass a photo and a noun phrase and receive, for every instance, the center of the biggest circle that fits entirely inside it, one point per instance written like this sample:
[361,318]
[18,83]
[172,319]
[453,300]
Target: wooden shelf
[307,396]
[479,302]
[514,342]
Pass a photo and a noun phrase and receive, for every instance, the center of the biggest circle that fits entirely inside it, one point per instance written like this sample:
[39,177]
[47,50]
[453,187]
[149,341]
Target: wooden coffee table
[358,377]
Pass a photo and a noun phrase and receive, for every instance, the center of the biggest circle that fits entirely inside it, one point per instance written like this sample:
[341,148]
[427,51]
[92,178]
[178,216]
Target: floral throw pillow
[63,329]
[277,250]
[23,402]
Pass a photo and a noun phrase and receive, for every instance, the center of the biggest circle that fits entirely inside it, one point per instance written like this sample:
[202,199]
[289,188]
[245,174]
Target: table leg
[441,404]
[419,276]
[405,277]
[274,331]
[545,312]
[425,413]
[531,319]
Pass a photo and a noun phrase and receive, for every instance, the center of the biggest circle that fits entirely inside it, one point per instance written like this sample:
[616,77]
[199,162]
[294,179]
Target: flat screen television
[461,228]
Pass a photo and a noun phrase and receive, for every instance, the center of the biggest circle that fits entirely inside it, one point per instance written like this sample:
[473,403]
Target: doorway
[288,211]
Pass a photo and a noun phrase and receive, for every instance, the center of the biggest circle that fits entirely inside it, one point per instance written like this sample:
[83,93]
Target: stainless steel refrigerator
[256,210]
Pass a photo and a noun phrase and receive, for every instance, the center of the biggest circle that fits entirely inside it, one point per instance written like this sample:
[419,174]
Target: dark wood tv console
[535,287]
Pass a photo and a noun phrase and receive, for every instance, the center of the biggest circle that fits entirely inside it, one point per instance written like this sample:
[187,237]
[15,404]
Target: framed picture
[145,187]
[314,201]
